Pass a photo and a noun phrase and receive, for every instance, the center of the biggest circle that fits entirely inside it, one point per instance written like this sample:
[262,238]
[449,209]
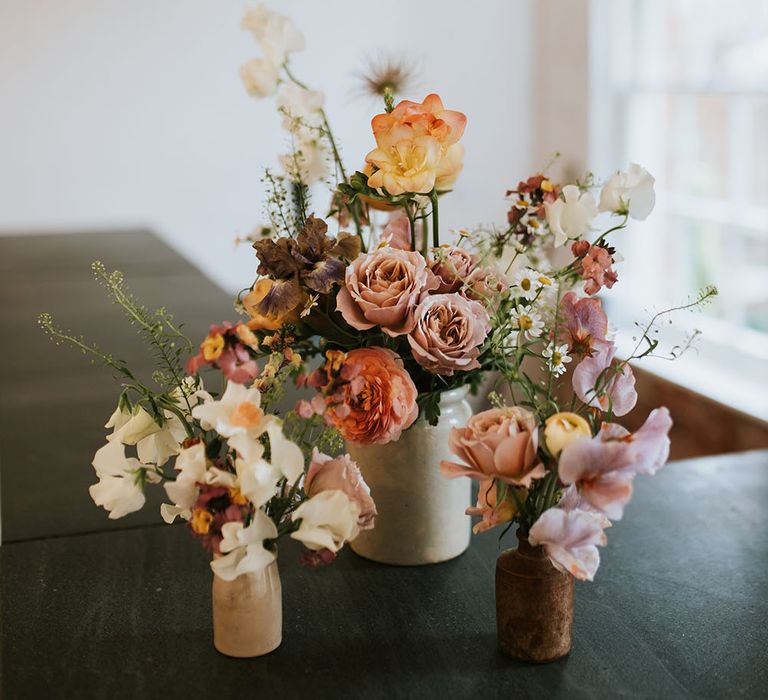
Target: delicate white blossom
[191,465]
[630,193]
[529,322]
[237,412]
[530,281]
[557,357]
[260,77]
[119,489]
[243,547]
[328,520]
[571,216]
[276,34]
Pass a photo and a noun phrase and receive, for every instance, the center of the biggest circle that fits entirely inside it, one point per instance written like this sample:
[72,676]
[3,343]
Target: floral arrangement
[551,458]
[396,315]
[240,476]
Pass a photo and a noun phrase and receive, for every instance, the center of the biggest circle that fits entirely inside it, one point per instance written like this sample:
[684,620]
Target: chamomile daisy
[529,322]
[557,358]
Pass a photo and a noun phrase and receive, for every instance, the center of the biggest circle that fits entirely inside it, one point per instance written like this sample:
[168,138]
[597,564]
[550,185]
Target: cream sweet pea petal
[244,547]
[328,520]
[571,216]
[286,456]
[630,192]
[238,411]
[118,490]
[191,465]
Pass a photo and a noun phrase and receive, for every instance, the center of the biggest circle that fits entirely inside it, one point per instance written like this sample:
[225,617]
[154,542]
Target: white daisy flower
[529,322]
[528,282]
[557,357]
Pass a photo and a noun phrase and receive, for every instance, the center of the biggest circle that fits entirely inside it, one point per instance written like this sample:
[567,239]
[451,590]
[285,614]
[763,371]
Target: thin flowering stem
[435,219]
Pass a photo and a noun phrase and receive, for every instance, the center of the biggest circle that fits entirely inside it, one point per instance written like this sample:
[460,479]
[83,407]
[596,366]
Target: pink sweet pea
[585,323]
[237,366]
[603,466]
[570,538]
[616,387]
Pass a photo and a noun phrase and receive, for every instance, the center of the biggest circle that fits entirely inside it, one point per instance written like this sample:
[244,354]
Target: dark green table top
[679,607]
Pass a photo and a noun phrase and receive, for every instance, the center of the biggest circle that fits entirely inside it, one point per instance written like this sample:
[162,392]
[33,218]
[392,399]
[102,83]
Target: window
[681,86]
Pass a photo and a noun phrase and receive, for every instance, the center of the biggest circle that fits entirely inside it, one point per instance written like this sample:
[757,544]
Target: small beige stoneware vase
[248,613]
[421,516]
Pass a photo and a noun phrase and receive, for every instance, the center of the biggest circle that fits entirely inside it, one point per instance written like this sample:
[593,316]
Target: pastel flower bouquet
[386,324]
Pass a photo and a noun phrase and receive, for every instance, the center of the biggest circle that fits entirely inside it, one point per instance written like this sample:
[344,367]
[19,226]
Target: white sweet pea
[244,547]
[258,478]
[308,163]
[328,520]
[260,77]
[138,426]
[119,489]
[191,465]
[277,34]
[629,193]
[237,412]
[571,216]
[299,105]
[157,447]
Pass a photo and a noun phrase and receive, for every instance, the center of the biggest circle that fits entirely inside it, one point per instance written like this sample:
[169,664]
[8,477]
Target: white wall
[121,113]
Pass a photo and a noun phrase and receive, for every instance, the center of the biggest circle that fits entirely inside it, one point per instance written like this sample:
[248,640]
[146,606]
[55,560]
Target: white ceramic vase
[421,516]
[248,613]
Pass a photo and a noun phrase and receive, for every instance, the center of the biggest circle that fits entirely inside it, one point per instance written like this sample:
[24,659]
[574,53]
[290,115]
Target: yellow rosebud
[212,347]
[562,429]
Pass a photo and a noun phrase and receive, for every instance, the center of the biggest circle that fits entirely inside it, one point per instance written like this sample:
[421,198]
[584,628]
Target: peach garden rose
[500,443]
[377,400]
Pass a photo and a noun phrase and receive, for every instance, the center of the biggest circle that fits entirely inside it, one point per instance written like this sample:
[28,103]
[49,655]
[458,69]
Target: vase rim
[457,394]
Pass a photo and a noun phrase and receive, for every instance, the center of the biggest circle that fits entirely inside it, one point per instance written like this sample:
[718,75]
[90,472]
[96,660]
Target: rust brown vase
[534,605]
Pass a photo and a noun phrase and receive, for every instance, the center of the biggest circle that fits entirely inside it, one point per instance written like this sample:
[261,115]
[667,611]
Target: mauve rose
[448,332]
[452,265]
[382,288]
[341,474]
[500,443]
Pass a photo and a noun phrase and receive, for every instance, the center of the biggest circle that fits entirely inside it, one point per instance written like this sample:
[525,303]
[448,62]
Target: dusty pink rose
[453,266]
[604,466]
[486,283]
[382,288]
[500,443]
[603,384]
[397,232]
[570,538]
[341,474]
[448,332]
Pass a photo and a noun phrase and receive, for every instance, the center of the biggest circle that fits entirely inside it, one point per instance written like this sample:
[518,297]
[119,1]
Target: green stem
[435,220]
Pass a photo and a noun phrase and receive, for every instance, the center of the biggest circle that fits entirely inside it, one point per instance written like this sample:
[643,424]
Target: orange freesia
[417,147]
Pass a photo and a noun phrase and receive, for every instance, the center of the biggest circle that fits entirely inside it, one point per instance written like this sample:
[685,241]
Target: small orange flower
[201,521]
[212,346]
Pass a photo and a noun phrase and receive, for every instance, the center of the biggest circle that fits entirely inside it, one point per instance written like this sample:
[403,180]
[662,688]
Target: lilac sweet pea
[603,466]
[616,387]
[570,538]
